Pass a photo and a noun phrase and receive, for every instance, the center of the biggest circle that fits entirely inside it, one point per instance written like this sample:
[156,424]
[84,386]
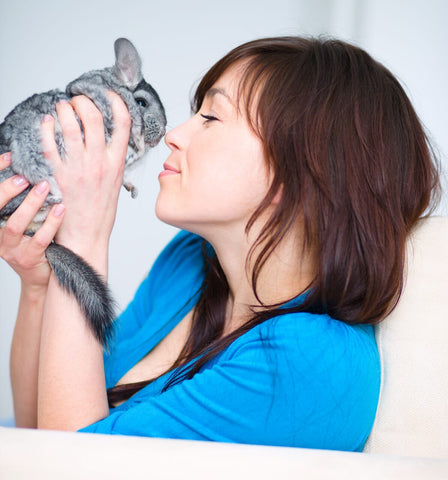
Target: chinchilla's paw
[53,198]
[130,188]
[55,195]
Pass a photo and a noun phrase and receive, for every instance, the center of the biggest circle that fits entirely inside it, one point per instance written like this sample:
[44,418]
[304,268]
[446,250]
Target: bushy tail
[79,279]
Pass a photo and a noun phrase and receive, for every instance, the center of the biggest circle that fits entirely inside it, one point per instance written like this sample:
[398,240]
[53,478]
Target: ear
[128,64]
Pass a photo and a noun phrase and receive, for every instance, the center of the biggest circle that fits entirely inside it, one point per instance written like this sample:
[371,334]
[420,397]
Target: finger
[92,122]
[44,236]
[122,125]
[49,147]
[11,187]
[18,222]
[5,160]
[71,130]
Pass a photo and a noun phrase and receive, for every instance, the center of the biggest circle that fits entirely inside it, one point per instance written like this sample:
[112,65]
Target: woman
[295,183]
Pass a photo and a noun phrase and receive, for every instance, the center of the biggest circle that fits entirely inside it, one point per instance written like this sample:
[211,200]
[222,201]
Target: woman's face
[216,175]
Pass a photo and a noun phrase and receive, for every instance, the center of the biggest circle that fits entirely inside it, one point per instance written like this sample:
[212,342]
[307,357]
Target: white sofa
[409,438]
[412,417]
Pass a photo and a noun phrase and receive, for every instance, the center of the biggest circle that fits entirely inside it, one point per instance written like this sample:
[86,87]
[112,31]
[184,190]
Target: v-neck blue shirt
[300,380]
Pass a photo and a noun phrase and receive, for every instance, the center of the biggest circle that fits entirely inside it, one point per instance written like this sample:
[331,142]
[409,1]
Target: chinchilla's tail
[79,279]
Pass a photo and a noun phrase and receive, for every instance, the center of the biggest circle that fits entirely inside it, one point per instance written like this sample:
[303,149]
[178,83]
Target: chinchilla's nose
[154,131]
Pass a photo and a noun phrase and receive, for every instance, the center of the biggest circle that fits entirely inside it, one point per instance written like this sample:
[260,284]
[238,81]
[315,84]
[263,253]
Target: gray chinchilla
[20,134]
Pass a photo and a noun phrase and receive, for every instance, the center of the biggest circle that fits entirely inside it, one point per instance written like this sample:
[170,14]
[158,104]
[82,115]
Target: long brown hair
[353,164]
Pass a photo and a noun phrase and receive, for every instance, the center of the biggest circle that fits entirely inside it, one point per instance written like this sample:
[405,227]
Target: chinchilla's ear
[128,64]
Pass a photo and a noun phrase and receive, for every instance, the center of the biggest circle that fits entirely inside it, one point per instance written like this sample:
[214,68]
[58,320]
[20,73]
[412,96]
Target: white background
[45,44]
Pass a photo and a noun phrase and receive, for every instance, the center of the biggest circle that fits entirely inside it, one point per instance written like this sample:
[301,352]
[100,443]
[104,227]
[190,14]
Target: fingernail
[47,118]
[42,186]
[58,210]
[7,157]
[19,180]
[63,101]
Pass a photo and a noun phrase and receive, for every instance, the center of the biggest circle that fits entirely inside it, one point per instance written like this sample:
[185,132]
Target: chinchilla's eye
[142,102]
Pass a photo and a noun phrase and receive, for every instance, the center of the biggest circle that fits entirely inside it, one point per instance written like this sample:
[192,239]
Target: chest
[162,356]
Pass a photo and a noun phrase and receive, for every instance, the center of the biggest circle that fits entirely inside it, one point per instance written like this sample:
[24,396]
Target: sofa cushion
[412,416]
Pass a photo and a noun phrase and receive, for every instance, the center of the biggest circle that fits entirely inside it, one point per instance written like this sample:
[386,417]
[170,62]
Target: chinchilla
[20,133]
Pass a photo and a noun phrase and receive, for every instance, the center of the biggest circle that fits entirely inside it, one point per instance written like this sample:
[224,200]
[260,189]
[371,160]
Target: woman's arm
[71,385]
[25,356]
[26,255]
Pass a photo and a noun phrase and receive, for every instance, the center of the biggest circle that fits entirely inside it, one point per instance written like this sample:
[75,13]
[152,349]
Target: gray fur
[20,133]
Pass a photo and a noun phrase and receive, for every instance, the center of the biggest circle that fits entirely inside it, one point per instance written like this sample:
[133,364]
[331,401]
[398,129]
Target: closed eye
[208,118]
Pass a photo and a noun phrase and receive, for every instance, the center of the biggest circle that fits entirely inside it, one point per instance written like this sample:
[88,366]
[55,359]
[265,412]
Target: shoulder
[322,369]
[185,247]
[313,345]
[181,257]
[312,334]
[177,271]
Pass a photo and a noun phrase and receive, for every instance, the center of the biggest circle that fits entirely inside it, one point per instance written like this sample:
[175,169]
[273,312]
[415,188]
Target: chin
[169,214]
[167,217]
[198,220]
[163,213]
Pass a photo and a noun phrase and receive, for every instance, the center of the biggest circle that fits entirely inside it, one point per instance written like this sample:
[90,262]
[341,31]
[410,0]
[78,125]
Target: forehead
[238,86]
[228,84]
[212,92]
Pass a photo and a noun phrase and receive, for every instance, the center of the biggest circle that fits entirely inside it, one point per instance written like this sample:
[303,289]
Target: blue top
[301,380]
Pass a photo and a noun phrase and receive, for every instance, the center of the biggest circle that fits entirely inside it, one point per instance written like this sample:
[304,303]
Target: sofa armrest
[40,454]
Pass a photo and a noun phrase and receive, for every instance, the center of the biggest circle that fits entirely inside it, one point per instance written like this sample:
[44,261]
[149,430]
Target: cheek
[250,172]
[233,175]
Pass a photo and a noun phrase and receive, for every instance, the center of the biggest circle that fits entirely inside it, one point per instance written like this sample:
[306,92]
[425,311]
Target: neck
[287,272]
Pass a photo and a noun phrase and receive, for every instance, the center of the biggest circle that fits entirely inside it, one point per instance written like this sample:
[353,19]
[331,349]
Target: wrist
[94,253]
[33,293]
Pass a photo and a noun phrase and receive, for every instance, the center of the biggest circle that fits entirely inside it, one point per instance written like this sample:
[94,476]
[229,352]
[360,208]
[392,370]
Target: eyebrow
[218,91]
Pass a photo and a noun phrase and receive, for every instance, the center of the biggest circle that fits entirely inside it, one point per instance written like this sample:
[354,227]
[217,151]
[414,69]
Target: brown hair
[353,163]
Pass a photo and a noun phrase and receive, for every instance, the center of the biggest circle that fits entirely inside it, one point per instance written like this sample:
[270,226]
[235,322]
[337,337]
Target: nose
[169,140]
[179,137]
[173,138]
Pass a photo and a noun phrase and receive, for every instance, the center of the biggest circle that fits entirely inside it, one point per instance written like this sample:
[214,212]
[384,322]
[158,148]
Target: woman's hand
[26,255]
[91,174]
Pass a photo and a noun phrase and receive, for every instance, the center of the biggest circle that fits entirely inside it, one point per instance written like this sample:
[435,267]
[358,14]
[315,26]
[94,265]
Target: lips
[168,170]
